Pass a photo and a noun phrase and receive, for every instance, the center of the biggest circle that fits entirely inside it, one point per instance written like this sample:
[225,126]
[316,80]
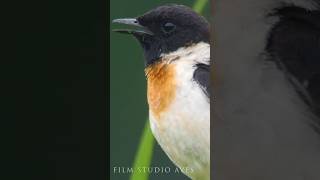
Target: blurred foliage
[144,154]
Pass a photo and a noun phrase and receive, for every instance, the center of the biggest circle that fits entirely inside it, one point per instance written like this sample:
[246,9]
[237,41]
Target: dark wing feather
[294,43]
[202,77]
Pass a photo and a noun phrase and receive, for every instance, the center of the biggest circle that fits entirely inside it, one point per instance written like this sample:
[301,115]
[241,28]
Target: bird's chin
[144,39]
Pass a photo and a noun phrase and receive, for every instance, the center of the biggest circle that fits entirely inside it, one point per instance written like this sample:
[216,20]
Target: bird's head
[166,29]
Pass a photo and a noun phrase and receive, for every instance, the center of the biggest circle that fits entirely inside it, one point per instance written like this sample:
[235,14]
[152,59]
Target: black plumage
[294,44]
[202,77]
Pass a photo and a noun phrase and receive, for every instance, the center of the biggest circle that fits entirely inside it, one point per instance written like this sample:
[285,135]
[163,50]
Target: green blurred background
[128,104]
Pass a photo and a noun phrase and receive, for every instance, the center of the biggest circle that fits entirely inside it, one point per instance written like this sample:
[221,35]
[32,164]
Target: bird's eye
[168,27]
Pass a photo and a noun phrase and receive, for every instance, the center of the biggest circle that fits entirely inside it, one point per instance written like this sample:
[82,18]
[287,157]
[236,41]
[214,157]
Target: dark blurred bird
[176,48]
[267,90]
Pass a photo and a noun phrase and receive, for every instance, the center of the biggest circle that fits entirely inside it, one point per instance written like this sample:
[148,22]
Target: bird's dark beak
[141,30]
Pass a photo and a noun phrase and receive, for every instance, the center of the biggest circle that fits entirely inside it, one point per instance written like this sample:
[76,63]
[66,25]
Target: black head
[167,28]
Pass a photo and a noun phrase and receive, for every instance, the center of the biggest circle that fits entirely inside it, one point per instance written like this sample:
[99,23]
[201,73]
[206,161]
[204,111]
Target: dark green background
[128,104]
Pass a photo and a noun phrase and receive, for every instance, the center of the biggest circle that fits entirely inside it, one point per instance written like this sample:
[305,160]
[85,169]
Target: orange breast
[161,87]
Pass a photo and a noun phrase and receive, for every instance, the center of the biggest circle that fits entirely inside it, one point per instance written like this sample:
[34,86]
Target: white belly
[183,131]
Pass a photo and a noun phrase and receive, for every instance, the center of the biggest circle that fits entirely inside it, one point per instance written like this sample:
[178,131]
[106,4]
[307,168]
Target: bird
[176,48]
[266,81]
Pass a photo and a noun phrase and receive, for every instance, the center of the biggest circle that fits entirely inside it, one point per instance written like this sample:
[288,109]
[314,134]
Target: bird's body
[176,47]
[180,110]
